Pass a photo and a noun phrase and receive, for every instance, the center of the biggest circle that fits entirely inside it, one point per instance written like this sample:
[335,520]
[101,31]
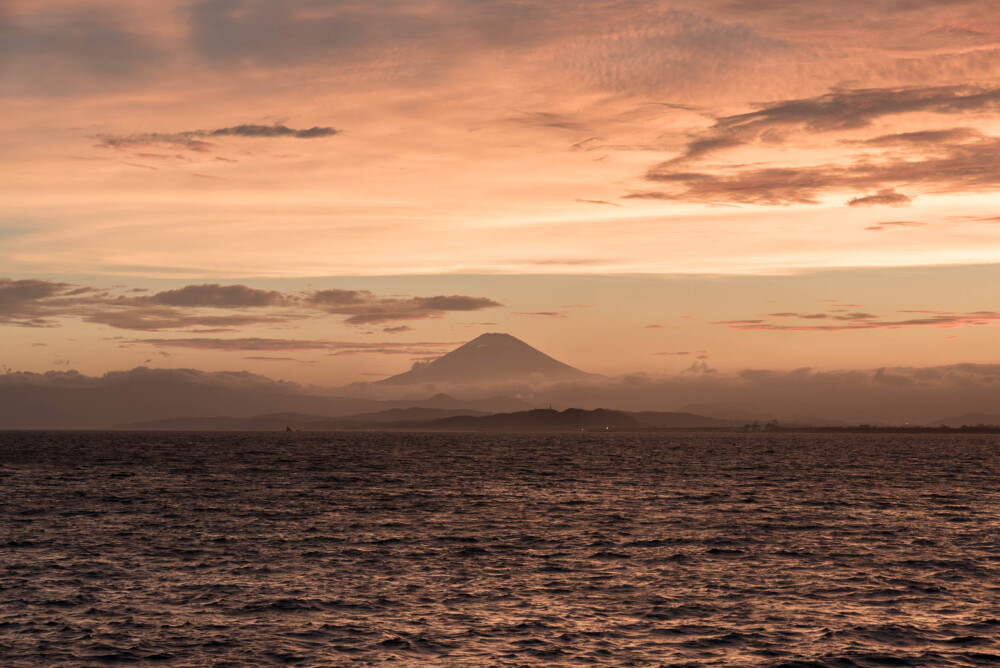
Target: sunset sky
[326,191]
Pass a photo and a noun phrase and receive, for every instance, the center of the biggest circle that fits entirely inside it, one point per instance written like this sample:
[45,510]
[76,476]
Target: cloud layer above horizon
[256,177]
[917,395]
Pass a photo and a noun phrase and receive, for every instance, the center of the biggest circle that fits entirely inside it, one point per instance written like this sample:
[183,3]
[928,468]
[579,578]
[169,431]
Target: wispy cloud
[363,307]
[195,140]
[894,224]
[841,110]
[241,344]
[882,198]
[960,159]
[265,358]
[861,321]
[698,354]
[542,314]
[596,201]
[336,348]
[969,167]
[926,137]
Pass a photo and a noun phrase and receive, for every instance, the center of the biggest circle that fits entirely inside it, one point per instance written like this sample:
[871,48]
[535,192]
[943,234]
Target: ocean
[357,549]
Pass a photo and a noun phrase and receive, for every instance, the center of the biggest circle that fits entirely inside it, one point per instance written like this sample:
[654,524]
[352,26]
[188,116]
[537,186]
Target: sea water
[340,549]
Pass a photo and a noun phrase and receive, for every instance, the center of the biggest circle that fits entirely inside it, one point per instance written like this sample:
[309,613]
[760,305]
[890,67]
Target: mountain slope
[489,358]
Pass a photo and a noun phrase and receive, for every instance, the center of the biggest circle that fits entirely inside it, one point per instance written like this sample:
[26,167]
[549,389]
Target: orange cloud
[334,347]
[864,321]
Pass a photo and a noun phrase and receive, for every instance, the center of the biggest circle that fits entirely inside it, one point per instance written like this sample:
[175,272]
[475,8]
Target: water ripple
[422,549]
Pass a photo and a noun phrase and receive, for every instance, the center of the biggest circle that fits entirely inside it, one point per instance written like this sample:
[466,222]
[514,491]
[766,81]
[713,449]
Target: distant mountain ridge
[543,419]
[489,358]
[492,374]
[967,420]
[69,400]
[438,419]
[496,404]
[665,420]
[302,421]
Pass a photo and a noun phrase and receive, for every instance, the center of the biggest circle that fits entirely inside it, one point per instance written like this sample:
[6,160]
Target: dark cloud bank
[39,303]
[71,400]
[889,395]
[895,395]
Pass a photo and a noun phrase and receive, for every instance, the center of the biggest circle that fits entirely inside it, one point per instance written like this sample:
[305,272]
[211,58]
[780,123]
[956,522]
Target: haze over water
[454,549]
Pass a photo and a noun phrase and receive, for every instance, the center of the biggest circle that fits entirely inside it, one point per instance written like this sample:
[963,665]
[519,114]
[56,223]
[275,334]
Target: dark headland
[535,420]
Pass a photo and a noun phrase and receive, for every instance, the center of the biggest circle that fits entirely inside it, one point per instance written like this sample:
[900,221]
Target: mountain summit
[489,358]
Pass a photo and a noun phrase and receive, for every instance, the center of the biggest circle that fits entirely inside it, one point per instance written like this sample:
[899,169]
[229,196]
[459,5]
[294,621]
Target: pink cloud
[864,321]
[544,314]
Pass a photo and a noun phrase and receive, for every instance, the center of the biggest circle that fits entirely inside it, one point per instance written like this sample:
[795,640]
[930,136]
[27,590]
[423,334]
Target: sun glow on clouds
[413,166]
[213,140]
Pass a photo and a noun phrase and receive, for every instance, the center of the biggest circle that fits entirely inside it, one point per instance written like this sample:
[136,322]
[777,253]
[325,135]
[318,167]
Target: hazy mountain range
[969,419]
[494,375]
[439,419]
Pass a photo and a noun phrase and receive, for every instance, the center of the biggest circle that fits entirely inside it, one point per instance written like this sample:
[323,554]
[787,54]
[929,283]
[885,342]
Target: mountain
[969,419]
[489,358]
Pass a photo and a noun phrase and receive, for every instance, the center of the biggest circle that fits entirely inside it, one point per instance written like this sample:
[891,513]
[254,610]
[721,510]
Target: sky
[326,192]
